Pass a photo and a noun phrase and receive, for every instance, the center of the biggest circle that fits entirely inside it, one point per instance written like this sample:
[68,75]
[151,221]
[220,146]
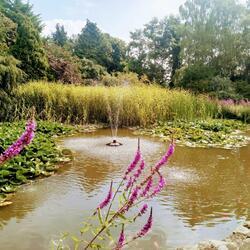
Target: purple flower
[165,158]
[147,226]
[121,240]
[129,184]
[147,187]
[133,164]
[131,200]
[108,198]
[143,210]
[160,186]
[139,170]
[24,140]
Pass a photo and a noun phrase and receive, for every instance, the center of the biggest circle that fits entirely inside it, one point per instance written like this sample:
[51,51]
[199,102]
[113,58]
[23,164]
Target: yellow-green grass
[139,105]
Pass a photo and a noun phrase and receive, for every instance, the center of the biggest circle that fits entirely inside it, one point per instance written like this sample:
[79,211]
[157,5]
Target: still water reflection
[207,196]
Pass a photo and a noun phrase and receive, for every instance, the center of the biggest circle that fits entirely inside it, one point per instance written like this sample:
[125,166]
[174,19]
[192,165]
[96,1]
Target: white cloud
[71,26]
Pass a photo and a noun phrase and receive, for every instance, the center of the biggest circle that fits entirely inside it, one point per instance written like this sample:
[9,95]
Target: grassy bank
[38,159]
[139,105]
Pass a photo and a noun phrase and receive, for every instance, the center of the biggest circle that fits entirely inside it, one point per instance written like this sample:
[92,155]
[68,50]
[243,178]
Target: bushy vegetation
[140,105]
[204,48]
[37,159]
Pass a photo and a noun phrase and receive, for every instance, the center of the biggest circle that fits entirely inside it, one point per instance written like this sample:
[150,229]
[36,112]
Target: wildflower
[121,240]
[143,210]
[160,186]
[165,158]
[108,198]
[24,140]
[133,164]
[147,226]
[129,184]
[139,170]
[147,187]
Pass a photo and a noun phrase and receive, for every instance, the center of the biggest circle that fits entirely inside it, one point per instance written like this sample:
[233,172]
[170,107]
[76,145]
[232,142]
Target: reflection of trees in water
[93,173]
[222,191]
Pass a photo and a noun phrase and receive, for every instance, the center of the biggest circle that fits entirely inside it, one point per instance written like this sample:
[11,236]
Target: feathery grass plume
[24,140]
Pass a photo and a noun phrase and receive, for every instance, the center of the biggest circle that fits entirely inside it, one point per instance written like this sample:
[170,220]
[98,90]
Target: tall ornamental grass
[139,105]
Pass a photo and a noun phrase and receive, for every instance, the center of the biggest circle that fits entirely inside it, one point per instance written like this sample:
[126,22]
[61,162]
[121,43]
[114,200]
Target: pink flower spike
[106,201]
[129,184]
[148,187]
[165,158]
[143,210]
[24,140]
[121,240]
[160,186]
[133,164]
[147,226]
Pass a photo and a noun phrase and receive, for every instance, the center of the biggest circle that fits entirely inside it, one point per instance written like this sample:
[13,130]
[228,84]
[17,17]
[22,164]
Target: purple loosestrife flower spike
[24,140]
[139,170]
[129,184]
[108,198]
[143,210]
[147,226]
[160,186]
[165,158]
[121,240]
[133,164]
[147,187]
[131,200]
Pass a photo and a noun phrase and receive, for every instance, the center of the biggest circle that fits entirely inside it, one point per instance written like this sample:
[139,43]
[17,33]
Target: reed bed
[138,105]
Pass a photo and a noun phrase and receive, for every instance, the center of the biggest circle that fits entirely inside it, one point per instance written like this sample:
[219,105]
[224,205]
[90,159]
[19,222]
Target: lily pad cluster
[207,133]
[40,158]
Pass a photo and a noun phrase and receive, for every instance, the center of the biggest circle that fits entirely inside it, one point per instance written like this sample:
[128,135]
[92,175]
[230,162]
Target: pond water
[207,196]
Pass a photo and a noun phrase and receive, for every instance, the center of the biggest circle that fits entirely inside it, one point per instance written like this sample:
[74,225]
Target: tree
[60,35]
[28,47]
[100,48]
[10,73]
[212,35]
[154,50]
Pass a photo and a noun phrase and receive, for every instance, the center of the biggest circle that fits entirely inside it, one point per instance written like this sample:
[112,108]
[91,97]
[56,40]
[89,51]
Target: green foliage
[38,159]
[90,70]
[60,35]
[213,133]
[10,73]
[100,48]
[154,50]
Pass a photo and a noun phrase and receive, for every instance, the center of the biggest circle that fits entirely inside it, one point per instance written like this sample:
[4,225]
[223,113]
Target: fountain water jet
[113,108]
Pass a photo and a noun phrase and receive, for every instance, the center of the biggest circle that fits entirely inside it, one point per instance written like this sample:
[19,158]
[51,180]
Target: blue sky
[117,17]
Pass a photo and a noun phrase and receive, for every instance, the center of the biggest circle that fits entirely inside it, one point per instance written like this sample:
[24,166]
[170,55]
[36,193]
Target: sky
[116,17]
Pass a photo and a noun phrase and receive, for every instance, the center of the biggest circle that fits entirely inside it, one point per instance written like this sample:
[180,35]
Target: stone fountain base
[114,143]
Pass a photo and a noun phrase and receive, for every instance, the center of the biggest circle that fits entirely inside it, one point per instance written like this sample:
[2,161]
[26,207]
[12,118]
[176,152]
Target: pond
[207,196]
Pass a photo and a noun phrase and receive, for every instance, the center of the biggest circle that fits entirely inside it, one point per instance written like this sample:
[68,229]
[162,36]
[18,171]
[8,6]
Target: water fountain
[113,109]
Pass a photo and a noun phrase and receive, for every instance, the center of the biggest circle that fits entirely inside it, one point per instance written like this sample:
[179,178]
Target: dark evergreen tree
[60,35]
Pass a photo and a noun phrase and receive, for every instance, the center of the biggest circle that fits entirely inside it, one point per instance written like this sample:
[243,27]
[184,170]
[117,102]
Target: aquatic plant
[122,207]
[133,105]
